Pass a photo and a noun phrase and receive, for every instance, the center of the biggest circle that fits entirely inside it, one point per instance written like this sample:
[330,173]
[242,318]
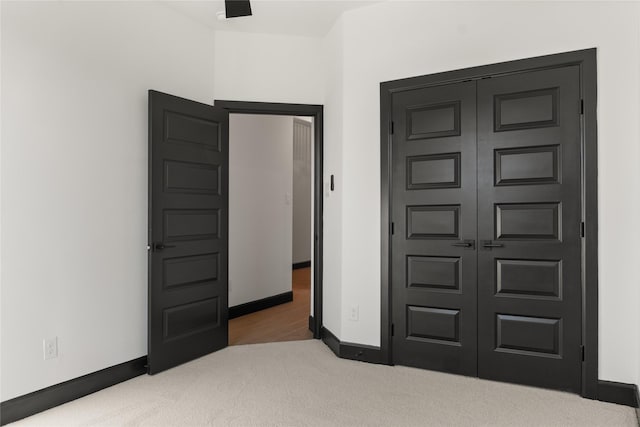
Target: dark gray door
[188,206]
[529,228]
[434,218]
[486,247]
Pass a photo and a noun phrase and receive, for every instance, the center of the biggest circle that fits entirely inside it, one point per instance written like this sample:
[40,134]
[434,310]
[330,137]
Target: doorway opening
[275,221]
[270,226]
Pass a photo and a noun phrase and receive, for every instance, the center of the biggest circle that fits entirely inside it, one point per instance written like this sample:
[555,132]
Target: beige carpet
[302,383]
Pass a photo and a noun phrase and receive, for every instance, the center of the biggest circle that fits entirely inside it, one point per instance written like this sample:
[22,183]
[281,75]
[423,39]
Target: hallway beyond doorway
[285,322]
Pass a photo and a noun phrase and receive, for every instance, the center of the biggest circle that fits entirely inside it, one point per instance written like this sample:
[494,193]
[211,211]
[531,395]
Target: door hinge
[393,228]
[582,351]
[582,106]
[393,329]
[391,128]
[582,229]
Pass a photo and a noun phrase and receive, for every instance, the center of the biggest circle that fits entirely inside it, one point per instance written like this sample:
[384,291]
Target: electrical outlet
[50,347]
[354,313]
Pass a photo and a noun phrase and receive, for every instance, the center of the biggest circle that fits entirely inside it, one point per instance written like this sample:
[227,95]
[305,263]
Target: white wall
[302,191]
[636,223]
[1,210]
[260,206]
[268,68]
[333,61]
[75,77]
[393,40]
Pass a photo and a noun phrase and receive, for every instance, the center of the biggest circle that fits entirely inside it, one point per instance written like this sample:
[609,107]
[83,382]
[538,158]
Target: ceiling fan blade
[237,8]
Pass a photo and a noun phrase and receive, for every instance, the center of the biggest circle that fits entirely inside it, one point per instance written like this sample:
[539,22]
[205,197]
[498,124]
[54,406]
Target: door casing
[586,60]
[308,110]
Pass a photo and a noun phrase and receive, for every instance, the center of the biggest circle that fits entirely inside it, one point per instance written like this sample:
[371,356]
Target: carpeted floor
[302,383]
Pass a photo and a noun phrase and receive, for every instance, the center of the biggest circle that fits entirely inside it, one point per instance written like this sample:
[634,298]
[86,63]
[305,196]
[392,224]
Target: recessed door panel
[190,224]
[433,324]
[435,273]
[529,278]
[433,171]
[190,270]
[525,221]
[186,177]
[530,165]
[517,334]
[432,222]
[526,110]
[433,120]
[191,318]
[185,129]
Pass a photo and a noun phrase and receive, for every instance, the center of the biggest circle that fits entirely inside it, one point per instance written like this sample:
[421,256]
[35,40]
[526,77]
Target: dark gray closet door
[434,218]
[529,225]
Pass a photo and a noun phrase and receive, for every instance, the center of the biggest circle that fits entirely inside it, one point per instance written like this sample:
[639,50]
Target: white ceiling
[312,18]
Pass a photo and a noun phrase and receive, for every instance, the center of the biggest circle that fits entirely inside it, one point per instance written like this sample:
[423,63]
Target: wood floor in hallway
[284,322]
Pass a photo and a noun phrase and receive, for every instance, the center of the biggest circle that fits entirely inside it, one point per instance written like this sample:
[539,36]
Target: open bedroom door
[188,240]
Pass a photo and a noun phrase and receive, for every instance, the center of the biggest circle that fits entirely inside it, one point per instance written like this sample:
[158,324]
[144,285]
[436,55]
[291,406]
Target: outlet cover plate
[50,348]
[354,313]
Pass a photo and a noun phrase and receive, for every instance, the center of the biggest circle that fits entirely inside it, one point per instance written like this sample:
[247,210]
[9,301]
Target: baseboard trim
[261,304]
[330,340]
[620,393]
[347,350]
[361,352]
[638,408]
[312,324]
[30,404]
[303,264]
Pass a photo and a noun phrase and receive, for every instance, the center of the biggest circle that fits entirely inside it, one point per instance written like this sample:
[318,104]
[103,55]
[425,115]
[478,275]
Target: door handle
[161,246]
[488,244]
[465,244]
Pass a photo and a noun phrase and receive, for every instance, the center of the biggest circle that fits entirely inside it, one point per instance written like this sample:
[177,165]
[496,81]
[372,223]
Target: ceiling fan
[237,8]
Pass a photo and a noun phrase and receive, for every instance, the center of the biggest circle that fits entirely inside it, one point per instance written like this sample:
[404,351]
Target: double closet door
[486,217]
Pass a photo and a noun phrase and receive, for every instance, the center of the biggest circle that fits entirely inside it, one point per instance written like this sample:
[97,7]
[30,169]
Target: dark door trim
[315,111]
[586,60]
